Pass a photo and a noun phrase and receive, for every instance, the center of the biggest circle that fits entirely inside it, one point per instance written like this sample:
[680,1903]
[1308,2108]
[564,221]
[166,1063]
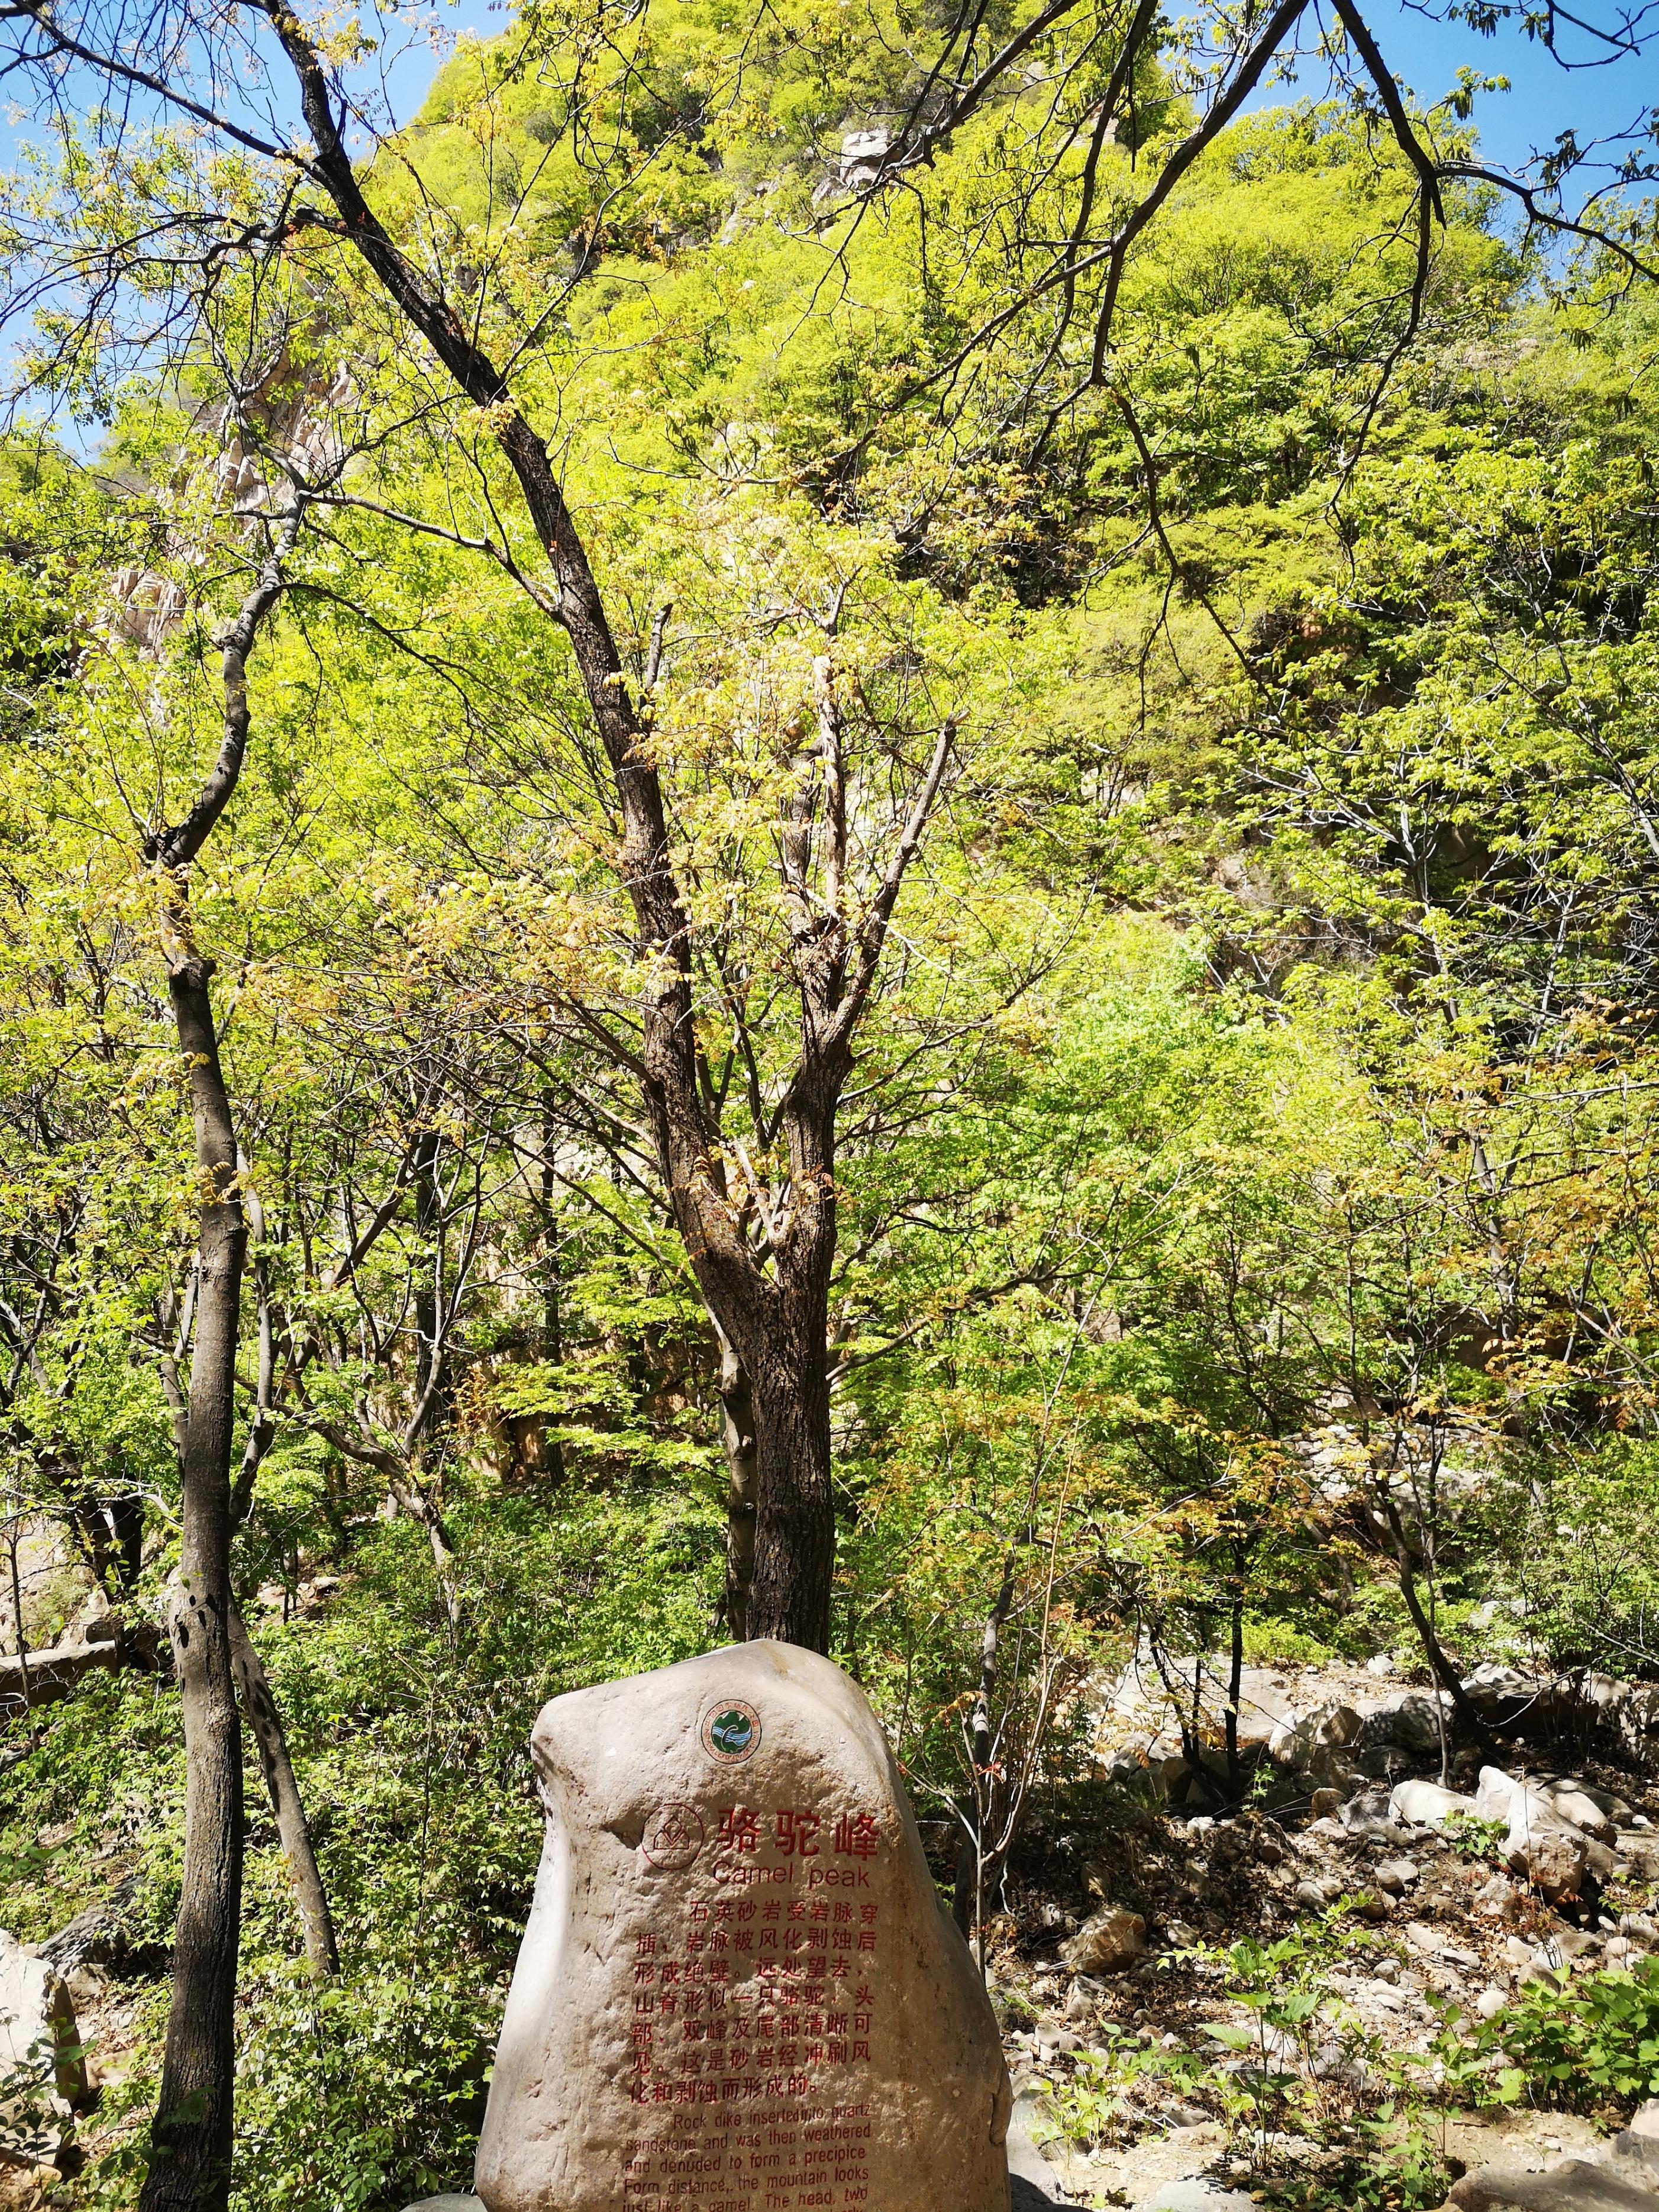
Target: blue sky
[1544,99]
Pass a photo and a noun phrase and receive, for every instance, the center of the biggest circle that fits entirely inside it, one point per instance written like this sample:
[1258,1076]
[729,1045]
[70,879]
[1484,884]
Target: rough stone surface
[40,2046]
[736,1970]
[1408,1720]
[1621,2176]
[1195,2194]
[1553,1857]
[1033,2184]
[35,2015]
[1426,1805]
[1115,1937]
[1491,1797]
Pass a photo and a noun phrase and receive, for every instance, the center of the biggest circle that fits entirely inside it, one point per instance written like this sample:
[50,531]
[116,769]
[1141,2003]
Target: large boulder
[1426,1805]
[1408,1721]
[736,1974]
[1550,1855]
[1593,1812]
[1553,1856]
[41,2067]
[1508,1698]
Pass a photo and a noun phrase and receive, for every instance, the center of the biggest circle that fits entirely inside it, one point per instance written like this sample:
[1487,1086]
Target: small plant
[1088,2108]
[1593,2041]
[1473,1838]
[1396,2165]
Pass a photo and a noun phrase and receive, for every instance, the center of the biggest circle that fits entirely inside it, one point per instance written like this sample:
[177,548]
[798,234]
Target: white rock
[1426,1805]
[1194,2196]
[1397,1875]
[37,2018]
[1582,1811]
[1553,1857]
[40,2046]
[1490,2002]
[1491,1798]
[1299,1745]
[736,1953]
[1408,1719]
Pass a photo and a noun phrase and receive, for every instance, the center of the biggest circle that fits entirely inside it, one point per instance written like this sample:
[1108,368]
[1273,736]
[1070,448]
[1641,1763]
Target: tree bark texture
[794,1539]
[743,1486]
[191,2136]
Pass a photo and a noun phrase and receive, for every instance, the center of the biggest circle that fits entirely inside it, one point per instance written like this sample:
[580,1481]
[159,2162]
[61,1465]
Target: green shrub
[1593,2042]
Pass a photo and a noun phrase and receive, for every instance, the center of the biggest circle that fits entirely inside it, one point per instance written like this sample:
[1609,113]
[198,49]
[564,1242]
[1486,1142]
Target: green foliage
[1591,2044]
[1253,1122]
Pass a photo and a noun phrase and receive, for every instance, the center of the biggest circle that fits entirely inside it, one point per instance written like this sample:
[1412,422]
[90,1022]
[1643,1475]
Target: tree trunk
[411,1495]
[310,1897]
[1235,1668]
[795,1558]
[552,1317]
[1435,1654]
[738,1430]
[126,1516]
[191,2135]
[1381,1522]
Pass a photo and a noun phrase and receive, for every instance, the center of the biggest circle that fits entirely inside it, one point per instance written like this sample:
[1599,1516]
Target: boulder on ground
[736,1952]
[1509,1699]
[37,2020]
[1622,2178]
[1196,2195]
[1302,1746]
[1396,1876]
[1575,1806]
[1493,1793]
[1426,1805]
[41,2066]
[1590,1811]
[1553,1856]
[1112,1938]
[1408,1719]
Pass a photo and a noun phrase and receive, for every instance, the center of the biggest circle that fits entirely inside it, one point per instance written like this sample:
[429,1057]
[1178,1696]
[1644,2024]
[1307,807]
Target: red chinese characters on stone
[699,2037]
[856,1836]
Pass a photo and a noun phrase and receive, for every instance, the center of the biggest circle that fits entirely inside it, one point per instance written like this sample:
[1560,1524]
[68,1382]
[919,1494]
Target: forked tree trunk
[310,1897]
[191,2133]
[777,1321]
[191,2136]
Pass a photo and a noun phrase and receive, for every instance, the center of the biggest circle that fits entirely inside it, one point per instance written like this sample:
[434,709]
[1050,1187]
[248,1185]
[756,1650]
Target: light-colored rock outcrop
[736,1969]
[1426,1805]
[1623,2177]
[40,2060]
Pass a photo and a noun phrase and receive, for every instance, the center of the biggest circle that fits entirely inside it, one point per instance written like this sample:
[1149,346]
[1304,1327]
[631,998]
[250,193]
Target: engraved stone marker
[736,1992]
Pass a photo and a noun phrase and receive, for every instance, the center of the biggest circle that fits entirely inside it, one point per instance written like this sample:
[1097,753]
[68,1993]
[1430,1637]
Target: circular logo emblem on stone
[672,1838]
[730,1731]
